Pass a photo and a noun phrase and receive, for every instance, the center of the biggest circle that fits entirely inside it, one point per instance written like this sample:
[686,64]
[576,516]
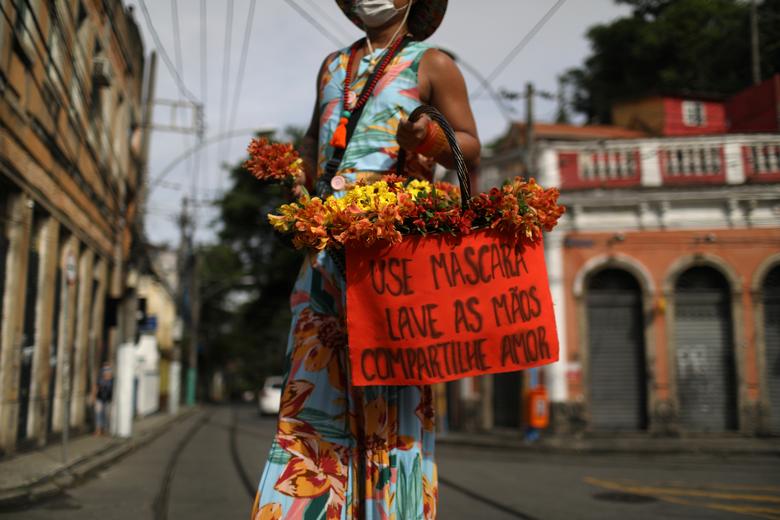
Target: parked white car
[270,396]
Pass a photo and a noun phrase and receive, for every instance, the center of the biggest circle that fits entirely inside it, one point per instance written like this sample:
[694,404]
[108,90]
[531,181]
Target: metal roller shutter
[616,358]
[705,355]
[771,291]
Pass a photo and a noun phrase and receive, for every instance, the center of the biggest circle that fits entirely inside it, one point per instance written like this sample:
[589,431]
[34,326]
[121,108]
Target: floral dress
[344,452]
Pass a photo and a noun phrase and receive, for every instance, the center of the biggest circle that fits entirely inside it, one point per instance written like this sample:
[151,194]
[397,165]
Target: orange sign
[429,310]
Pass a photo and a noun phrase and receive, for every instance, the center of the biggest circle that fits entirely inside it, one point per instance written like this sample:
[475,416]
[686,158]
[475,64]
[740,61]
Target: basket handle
[460,162]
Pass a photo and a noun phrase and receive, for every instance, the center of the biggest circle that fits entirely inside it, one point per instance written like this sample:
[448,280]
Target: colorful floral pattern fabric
[373,147]
[342,452]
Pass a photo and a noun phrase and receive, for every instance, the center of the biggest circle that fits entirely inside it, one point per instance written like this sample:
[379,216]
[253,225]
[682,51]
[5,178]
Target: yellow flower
[417,186]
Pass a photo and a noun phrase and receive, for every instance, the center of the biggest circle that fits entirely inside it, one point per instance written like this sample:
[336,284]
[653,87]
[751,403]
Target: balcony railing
[762,161]
[686,164]
[590,168]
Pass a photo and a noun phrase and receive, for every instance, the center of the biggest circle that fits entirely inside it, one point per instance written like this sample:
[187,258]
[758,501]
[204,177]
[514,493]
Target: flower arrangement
[274,162]
[386,210]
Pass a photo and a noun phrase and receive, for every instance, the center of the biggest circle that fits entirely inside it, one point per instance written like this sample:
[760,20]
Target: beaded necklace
[339,139]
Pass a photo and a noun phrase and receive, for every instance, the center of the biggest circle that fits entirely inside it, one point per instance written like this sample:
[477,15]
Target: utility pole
[756,57]
[188,297]
[529,131]
[146,134]
[192,372]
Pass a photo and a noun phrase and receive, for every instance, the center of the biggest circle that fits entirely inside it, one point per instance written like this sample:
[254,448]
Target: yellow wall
[646,115]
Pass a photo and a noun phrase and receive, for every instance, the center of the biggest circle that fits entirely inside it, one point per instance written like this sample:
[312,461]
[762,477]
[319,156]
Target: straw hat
[424,19]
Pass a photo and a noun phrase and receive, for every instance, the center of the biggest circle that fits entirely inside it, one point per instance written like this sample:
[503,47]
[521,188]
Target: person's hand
[410,135]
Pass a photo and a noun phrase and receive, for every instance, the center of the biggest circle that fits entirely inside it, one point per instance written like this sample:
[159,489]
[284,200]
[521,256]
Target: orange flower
[273,161]
[270,511]
[315,466]
[320,342]
[379,213]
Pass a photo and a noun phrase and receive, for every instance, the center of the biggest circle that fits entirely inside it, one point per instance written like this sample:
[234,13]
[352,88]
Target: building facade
[72,156]
[665,273]
[156,300]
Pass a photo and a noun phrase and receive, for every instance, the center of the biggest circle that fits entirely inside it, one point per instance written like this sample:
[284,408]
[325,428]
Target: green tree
[246,279]
[673,46]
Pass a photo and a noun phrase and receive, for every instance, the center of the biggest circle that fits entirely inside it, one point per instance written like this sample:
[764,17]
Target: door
[616,352]
[771,290]
[507,388]
[706,386]
[55,336]
[28,340]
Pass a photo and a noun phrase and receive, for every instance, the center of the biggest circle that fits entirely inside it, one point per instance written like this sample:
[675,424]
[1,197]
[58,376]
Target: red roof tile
[572,132]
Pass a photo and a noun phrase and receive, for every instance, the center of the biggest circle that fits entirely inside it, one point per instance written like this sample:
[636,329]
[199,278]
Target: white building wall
[555,374]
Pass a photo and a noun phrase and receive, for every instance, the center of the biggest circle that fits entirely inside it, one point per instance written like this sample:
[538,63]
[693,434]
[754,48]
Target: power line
[203,53]
[315,4]
[179,69]
[176,36]
[166,59]
[503,109]
[521,45]
[242,65]
[317,25]
[225,78]
[204,83]
[208,141]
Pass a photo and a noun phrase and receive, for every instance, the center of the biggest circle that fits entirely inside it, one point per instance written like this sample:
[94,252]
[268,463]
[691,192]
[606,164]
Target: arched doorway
[771,292]
[706,375]
[616,352]
[507,391]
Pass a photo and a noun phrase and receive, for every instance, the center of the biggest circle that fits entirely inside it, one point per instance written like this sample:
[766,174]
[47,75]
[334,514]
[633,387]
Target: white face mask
[375,13]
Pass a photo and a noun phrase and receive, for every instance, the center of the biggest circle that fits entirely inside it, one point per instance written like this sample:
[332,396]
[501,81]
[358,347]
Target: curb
[76,471]
[634,446]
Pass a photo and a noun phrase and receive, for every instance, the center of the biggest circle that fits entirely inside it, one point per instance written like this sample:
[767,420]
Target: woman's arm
[442,86]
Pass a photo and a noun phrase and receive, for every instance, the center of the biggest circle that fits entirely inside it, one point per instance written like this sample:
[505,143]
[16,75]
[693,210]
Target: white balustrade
[764,158]
[606,165]
[691,161]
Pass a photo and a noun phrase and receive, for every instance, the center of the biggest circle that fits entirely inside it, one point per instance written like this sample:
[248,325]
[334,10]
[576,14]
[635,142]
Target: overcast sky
[285,51]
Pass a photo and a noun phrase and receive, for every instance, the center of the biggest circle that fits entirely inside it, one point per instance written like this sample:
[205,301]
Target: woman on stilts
[344,452]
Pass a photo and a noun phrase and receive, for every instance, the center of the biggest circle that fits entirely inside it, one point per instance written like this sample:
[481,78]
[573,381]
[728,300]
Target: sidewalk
[618,443]
[32,475]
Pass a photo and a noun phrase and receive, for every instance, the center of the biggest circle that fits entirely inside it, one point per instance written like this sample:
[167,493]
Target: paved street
[206,466]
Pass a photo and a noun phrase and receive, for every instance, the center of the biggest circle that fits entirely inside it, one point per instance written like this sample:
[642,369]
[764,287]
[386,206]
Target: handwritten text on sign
[426,310]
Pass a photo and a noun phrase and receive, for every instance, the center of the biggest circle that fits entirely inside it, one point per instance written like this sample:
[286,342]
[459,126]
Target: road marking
[760,512]
[673,495]
[685,492]
[729,487]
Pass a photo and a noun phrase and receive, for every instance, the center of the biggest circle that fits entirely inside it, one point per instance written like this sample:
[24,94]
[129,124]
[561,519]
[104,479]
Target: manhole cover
[625,498]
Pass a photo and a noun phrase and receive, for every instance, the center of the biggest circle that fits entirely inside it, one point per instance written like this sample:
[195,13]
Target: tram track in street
[235,429]
[234,454]
[161,501]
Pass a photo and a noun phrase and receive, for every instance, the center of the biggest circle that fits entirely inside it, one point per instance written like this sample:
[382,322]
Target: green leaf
[316,508]
[326,425]
[410,492]
[278,455]
[384,477]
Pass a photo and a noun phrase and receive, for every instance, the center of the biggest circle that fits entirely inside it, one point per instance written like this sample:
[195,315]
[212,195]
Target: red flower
[273,161]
